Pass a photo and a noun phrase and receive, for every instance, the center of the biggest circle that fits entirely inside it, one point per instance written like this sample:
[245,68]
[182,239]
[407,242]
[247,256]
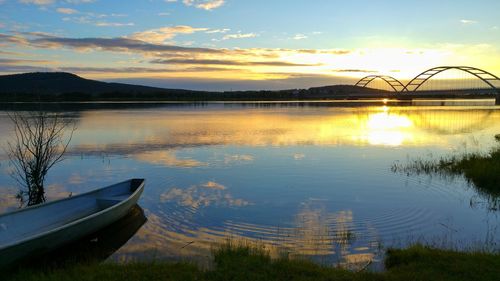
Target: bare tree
[40,141]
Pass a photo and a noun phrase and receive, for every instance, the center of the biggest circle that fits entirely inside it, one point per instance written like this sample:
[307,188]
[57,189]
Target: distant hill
[63,83]
[61,86]
[345,91]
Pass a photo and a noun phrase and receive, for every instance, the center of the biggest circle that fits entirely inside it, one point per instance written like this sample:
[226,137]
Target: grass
[424,263]
[111,271]
[244,263]
[480,169]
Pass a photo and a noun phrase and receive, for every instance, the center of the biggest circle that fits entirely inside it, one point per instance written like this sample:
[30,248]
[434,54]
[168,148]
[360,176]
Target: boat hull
[59,237]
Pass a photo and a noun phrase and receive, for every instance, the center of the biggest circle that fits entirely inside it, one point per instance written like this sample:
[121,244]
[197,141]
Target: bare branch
[38,145]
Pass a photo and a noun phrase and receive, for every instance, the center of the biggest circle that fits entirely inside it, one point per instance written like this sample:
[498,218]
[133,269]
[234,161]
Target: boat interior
[31,221]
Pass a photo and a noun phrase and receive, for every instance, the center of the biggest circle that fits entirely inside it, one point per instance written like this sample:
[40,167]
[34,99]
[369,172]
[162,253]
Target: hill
[63,83]
[61,86]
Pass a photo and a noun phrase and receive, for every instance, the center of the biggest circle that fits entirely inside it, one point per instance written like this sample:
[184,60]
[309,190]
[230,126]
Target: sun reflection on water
[212,156]
[385,128]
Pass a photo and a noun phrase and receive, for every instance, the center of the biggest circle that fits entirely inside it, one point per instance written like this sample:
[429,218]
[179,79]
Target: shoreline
[242,101]
[418,262]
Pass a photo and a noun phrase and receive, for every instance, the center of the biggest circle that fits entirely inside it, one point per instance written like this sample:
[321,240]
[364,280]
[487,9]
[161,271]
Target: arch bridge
[395,84]
[488,78]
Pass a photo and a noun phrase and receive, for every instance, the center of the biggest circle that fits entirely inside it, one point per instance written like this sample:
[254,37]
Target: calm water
[309,180]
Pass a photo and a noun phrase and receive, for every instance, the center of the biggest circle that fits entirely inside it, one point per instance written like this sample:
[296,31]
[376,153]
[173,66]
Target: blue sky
[221,44]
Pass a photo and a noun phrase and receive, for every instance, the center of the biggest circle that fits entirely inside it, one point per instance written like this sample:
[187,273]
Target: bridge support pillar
[497,100]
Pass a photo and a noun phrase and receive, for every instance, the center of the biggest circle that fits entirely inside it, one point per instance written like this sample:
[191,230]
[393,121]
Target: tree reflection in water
[40,141]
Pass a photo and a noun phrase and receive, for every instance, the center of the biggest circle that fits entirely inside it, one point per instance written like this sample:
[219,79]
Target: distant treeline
[172,96]
[67,87]
[217,96]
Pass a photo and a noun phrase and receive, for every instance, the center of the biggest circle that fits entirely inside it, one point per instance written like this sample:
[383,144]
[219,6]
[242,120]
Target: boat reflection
[93,248]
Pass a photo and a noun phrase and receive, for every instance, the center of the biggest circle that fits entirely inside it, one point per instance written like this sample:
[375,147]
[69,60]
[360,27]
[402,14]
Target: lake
[309,180]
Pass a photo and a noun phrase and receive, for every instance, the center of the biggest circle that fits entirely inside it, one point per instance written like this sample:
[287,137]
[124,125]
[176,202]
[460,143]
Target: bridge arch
[395,84]
[423,77]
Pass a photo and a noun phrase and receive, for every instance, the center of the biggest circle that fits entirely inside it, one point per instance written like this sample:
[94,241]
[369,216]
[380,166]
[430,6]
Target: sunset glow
[259,140]
[219,44]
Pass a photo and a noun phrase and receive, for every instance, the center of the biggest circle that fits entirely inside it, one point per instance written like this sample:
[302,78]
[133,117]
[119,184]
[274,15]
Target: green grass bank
[242,263]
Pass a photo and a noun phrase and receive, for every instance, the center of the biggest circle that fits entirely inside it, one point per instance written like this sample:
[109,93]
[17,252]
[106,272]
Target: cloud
[10,53]
[283,68]
[239,36]
[208,83]
[465,21]
[49,2]
[114,24]
[168,159]
[299,156]
[227,62]
[238,158]
[37,2]
[299,37]
[204,195]
[160,51]
[79,1]
[184,62]
[218,31]
[213,185]
[76,178]
[160,35]
[13,39]
[93,18]
[204,4]
[8,200]
[90,69]
[21,61]
[119,44]
[10,68]
[355,71]
[67,11]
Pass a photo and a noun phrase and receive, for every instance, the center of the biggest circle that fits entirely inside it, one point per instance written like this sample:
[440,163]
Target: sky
[244,44]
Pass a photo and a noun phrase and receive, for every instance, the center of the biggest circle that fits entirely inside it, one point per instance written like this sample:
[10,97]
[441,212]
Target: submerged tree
[40,141]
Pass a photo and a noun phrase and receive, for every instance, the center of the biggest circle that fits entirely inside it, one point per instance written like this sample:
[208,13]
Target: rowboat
[42,228]
[93,248]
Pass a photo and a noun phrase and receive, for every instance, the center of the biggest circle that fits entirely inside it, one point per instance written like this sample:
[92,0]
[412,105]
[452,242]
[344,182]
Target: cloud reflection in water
[154,136]
[315,232]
